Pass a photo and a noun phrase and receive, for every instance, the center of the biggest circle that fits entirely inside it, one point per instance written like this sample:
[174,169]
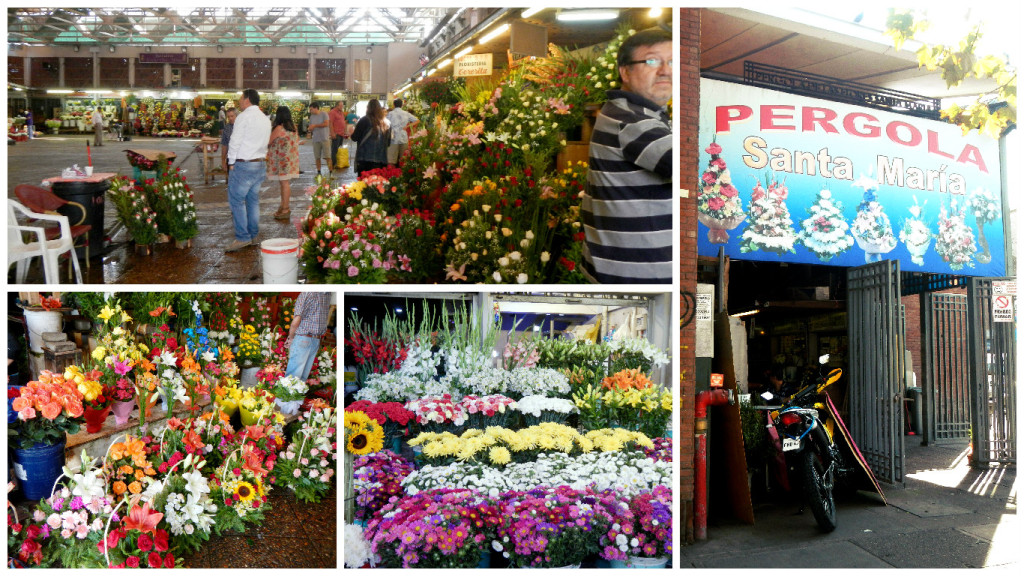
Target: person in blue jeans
[309,322]
[247,156]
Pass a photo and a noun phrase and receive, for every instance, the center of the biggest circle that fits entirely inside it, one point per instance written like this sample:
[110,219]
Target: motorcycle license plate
[789,444]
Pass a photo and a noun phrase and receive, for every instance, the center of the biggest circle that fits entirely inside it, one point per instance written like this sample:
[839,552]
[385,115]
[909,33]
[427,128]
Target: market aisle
[203,263]
[295,535]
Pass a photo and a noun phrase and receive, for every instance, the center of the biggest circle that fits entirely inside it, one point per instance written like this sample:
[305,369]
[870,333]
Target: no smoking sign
[1002,308]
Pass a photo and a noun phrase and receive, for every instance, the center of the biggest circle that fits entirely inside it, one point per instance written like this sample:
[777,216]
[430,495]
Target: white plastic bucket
[280,260]
[40,322]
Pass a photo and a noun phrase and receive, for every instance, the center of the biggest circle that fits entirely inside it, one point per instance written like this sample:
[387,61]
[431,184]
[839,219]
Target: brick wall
[687,111]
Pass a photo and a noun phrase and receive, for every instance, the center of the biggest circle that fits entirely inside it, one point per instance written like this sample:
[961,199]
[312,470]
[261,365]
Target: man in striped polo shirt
[627,207]
[309,322]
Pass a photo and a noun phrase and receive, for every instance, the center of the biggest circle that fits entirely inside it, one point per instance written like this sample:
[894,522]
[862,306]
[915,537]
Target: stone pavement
[947,516]
[205,262]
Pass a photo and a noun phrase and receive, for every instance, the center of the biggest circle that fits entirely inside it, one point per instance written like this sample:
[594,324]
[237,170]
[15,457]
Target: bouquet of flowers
[435,414]
[138,542]
[825,232]
[491,410]
[955,240]
[188,509]
[550,527]
[871,228]
[641,526]
[395,387]
[627,379]
[241,497]
[537,381]
[636,353]
[915,234]
[447,536]
[48,409]
[770,227]
[561,354]
[488,381]
[176,204]
[94,394]
[260,315]
[391,416]
[357,549]
[133,210]
[324,374]
[522,354]
[250,352]
[537,409]
[257,406]
[290,389]
[377,478]
[362,434]
[307,465]
[71,527]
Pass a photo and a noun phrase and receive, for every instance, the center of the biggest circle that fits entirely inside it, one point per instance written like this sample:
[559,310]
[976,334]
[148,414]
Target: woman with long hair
[372,137]
[283,157]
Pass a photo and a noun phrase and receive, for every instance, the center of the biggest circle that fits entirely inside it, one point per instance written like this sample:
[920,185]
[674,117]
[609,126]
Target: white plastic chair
[21,252]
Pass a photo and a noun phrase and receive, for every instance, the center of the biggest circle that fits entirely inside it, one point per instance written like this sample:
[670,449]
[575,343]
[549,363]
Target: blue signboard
[788,178]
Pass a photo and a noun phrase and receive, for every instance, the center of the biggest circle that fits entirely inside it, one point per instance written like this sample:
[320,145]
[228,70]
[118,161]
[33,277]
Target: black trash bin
[914,395]
[90,197]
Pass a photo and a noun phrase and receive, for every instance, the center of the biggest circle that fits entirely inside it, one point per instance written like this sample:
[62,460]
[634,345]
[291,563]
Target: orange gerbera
[119,487]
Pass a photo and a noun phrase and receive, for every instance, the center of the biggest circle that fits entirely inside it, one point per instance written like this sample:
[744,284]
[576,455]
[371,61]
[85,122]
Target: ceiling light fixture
[747,313]
[654,13]
[463,52]
[220,48]
[494,34]
[531,11]
[587,15]
[443,63]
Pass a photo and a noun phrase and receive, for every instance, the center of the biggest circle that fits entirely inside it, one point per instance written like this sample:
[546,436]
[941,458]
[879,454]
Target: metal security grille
[993,377]
[947,406]
[877,363]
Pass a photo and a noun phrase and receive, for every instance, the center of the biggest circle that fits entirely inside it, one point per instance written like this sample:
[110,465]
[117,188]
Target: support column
[274,73]
[238,73]
[202,71]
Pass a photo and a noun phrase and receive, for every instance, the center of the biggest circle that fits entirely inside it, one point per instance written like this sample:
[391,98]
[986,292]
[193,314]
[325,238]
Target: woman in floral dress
[283,157]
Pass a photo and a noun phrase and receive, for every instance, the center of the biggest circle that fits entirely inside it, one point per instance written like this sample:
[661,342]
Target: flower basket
[94,419]
[718,229]
[38,467]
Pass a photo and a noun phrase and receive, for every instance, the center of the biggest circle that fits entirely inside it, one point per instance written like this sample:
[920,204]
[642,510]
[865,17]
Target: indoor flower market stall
[137,439]
[507,430]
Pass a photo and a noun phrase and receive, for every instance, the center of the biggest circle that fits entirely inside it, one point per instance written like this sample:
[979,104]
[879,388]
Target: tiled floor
[294,535]
[205,262]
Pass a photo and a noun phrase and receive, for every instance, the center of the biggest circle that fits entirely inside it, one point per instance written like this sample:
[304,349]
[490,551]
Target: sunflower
[365,439]
[245,491]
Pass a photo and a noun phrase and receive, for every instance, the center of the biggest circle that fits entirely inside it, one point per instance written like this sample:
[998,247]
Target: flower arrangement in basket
[955,240]
[307,465]
[916,234]
[133,210]
[377,478]
[139,542]
[176,205]
[240,494]
[189,512]
[391,416]
[48,409]
[538,409]
[550,527]
[641,526]
[455,524]
[324,374]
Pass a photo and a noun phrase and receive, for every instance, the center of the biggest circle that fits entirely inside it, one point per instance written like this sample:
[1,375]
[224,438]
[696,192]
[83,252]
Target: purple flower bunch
[641,526]
[377,479]
[442,528]
[551,527]
[662,451]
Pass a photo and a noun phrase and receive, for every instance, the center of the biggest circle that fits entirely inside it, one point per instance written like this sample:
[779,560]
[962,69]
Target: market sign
[789,178]
[474,65]
[163,58]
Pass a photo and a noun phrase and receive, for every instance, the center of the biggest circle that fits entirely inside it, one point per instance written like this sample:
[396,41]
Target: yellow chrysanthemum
[499,456]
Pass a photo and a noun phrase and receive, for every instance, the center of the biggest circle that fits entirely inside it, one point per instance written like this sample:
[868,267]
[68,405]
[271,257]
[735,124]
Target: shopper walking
[225,137]
[402,123]
[29,124]
[627,205]
[283,158]
[247,154]
[97,126]
[372,137]
[309,322]
[339,129]
[320,127]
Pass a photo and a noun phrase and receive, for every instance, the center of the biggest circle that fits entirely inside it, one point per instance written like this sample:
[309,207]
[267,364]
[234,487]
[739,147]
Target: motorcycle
[807,444]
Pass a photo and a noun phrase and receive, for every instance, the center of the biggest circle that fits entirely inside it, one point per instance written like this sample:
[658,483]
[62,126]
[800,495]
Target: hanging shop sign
[474,65]
[163,58]
[788,178]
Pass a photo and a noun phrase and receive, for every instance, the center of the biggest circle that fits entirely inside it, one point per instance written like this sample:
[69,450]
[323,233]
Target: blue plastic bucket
[37,468]
[12,416]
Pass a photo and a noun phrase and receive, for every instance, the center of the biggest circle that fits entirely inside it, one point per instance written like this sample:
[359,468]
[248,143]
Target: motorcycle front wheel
[818,490]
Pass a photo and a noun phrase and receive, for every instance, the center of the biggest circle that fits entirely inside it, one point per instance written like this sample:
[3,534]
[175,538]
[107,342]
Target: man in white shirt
[97,126]
[247,154]
[400,121]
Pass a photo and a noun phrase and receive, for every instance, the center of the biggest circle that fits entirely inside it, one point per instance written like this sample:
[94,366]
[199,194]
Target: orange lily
[142,518]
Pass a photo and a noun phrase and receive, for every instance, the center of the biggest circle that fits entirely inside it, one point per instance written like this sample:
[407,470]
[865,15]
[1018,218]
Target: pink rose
[713,148]
[353,271]
[297,473]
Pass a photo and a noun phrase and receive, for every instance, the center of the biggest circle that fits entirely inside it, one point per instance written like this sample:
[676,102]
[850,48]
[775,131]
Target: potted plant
[53,125]
[48,410]
[640,534]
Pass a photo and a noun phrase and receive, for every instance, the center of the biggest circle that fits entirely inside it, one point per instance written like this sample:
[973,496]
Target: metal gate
[992,376]
[946,392]
[877,364]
